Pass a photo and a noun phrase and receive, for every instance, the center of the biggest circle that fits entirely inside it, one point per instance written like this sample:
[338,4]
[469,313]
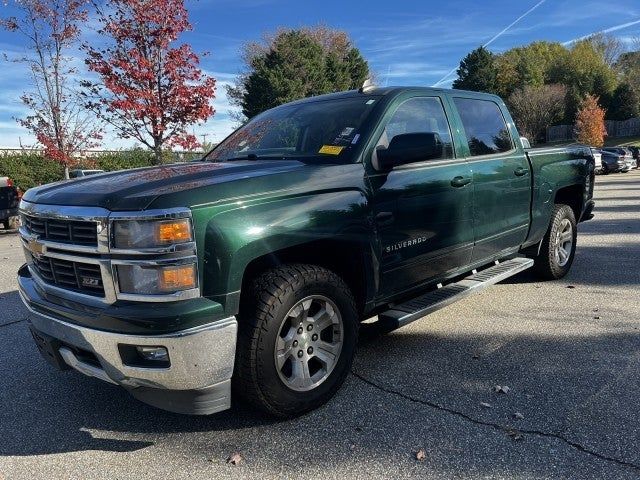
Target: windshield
[324,130]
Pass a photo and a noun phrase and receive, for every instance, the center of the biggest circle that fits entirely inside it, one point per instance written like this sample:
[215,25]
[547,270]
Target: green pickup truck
[247,274]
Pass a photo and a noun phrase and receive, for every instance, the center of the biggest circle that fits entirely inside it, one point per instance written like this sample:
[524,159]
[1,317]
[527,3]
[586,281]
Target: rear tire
[298,330]
[559,245]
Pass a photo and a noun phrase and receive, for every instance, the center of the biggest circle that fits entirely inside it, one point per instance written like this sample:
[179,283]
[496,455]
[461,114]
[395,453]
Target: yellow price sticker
[331,149]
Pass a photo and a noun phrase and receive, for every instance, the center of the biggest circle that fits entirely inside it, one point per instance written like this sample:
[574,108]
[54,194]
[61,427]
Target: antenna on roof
[367,86]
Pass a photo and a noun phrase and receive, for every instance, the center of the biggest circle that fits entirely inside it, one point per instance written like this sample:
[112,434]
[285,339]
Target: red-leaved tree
[150,88]
[57,117]
[590,126]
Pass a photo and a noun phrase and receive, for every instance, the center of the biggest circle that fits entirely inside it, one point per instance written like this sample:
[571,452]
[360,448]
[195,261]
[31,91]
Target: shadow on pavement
[47,412]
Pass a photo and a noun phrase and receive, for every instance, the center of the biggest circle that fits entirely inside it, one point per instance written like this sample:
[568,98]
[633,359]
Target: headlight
[157,279]
[134,234]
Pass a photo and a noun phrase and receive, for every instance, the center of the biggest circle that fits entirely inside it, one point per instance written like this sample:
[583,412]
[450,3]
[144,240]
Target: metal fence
[615,128]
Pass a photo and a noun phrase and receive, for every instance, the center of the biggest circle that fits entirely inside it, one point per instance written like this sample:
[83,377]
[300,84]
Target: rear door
[422,210]
[501,176]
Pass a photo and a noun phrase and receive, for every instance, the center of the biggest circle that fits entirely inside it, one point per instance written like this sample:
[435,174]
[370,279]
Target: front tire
[298,330]
[559,245]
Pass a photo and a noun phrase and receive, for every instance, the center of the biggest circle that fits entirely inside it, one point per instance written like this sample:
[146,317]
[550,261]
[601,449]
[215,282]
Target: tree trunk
[66,172]
[157,152]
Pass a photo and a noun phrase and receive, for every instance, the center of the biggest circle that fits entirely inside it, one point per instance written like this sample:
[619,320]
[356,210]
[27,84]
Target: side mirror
[409,148]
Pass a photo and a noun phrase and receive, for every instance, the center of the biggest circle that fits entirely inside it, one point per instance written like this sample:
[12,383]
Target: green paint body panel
[411,225]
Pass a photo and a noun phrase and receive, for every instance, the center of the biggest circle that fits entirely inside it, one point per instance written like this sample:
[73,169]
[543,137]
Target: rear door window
[484,126]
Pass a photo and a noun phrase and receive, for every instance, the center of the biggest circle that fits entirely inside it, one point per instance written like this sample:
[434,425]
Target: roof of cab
[384,91]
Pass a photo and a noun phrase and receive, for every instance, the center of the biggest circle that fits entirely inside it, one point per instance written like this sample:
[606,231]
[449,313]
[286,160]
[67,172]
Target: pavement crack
[13,322]
[497,426]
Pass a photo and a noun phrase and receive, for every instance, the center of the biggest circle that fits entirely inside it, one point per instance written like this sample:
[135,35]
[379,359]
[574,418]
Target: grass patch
[619,141]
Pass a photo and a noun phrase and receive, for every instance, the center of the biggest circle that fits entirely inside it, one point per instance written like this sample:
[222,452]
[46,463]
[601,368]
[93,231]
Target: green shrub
[29,169]
[122,159]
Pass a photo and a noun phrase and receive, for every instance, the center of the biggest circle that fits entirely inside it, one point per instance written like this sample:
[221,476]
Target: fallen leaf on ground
[485,404]
[570,286]
[235,458]
[501,389]
[518,416]
[515,434]
[421,454]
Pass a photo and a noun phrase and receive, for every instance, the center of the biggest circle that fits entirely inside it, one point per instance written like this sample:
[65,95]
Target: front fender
[235,237]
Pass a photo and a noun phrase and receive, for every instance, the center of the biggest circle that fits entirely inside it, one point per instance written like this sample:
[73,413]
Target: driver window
[418,115]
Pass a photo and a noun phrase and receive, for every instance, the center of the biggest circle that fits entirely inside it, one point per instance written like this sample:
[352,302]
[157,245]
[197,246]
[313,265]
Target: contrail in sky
[494,38]
[607,30]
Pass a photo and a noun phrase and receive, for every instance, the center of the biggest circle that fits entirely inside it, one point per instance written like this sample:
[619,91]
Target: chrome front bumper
[197,381]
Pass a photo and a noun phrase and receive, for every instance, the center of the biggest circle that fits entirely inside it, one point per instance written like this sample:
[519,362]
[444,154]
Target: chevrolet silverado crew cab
[248,273]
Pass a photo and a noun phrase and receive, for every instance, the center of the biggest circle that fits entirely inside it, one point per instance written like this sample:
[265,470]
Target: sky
[413,42]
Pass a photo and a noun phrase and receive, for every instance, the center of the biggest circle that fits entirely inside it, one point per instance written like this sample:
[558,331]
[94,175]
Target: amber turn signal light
[181,277]
[174,231]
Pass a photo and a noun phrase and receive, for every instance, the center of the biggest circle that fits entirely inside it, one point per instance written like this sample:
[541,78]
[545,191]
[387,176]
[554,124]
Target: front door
[423,210]
[501,179]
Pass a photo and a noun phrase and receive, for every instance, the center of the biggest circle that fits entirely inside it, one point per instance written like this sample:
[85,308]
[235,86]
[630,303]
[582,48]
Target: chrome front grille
[68,251]
[77,276]
[62,231]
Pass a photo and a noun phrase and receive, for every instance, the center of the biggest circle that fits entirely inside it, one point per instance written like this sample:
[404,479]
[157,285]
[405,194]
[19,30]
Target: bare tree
[57,118]
[536,108]
[609,47]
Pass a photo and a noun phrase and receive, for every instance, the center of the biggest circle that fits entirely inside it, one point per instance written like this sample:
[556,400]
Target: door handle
[460,181]
[520,171]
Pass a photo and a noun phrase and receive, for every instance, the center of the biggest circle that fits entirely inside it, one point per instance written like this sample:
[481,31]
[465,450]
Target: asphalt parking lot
[569,351]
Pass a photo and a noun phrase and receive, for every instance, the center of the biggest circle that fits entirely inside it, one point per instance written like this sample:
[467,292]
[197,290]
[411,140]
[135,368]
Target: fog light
[155,354]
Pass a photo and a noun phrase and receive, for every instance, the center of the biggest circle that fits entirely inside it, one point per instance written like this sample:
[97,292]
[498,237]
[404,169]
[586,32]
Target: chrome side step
[414,309]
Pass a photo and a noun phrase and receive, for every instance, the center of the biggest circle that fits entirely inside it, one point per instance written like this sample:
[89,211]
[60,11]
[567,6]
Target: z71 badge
[404,244]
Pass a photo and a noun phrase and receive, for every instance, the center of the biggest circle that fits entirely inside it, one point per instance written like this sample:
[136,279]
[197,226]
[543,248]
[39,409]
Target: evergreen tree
[295,64]
[478,72]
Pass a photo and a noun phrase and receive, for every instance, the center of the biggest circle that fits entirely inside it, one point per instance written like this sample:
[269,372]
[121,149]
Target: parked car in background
[9,200]
[613,162]
[635,151]
[625,153]
[83,173]
[597,158]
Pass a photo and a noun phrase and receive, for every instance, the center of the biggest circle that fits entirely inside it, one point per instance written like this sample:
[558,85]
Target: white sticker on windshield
[355,139]
[347,131]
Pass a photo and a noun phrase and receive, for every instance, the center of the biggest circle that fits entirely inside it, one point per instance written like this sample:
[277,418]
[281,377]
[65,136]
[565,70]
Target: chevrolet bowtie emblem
[36,247]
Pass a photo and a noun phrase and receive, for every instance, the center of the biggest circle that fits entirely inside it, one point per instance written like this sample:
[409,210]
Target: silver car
[626,153]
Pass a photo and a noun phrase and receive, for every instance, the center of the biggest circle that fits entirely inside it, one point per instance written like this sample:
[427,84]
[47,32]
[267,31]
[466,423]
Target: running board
[402,314]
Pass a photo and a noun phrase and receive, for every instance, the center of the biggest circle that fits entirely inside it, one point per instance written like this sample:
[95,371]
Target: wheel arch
[350,260]
[573,196]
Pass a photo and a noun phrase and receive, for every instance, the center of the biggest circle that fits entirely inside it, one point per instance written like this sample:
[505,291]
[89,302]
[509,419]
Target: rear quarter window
[484,126]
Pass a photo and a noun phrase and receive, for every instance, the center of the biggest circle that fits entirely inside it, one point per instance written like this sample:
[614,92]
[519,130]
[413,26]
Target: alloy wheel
[309,343]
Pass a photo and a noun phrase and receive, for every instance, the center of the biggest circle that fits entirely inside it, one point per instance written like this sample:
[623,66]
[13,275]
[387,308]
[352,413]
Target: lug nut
[309,327]
[295,343]
[300,353]
[300,330]
[314,337]
[310,350]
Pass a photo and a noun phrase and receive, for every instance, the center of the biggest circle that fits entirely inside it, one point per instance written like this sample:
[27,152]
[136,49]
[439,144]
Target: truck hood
[137,189]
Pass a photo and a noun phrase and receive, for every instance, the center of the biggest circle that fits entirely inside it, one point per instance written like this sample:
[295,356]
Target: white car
[597,156]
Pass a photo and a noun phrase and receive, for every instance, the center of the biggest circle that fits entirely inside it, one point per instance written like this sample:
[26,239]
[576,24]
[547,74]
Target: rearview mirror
[409,148]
